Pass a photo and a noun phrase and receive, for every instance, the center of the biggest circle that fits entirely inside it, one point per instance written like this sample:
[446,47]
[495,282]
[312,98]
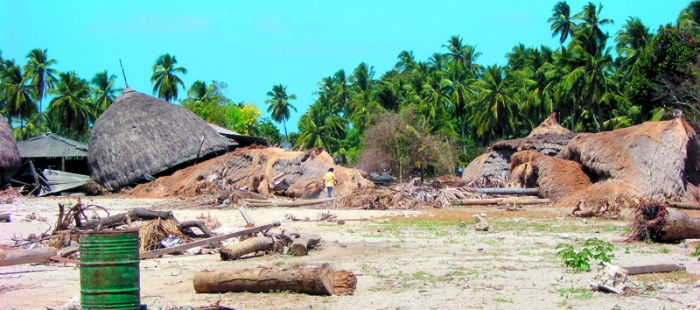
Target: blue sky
[253,45]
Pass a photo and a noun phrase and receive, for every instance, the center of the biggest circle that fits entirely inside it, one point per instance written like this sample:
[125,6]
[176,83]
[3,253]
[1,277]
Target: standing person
[330,181]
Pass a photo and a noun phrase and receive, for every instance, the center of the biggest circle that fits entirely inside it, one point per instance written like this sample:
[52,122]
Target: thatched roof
[550,126]
[9,156]
[140,135]
[556,178]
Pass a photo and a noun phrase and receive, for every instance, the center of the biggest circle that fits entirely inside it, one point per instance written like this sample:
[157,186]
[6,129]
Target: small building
[53,152]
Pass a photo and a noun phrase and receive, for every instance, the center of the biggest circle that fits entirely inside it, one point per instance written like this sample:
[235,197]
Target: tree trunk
[634,270]
[250,245]
[662,224]
[18,257]
[316,280]
[508,191]
[300,246]
[120,219]
[344,283]
[206,233]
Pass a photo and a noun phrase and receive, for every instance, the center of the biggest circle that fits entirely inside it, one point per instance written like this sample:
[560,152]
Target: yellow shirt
[330,179]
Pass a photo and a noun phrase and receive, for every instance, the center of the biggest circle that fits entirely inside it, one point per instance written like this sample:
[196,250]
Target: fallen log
[508,191]
[250,245]
[524,201]
[634,270]
[344,283]
[206,233]
[477,202]
[317,280]
[300,246]
[182,247]
[5,217]
[121,219]
[19,257]
[660,224]
[70,250]
[684,205]
[292,204]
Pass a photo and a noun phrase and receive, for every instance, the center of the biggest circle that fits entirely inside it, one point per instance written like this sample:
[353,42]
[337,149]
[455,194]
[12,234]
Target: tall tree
[591,20]
[280,106]
[321,126]
[70,106]
[17,93]
[104,91]
[494,106]
[43,77]
[164,79]
[562,23]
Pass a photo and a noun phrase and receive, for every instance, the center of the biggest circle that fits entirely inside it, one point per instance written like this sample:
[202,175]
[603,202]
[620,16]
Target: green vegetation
[580,261]
[430,114]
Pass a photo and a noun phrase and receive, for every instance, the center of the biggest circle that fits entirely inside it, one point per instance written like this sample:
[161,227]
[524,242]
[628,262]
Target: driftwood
[124,218]
[634,270]
[503,201]
[344,283]
[206,233]
[660,224]
[5,217]
[299,203]
[477,202]
[300,246]
[250,245]
[33,256]
[317,280]
[684,205]
[508,191]
[182,247]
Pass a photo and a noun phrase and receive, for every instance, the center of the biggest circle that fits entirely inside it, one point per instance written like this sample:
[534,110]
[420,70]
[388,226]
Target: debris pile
[382,198]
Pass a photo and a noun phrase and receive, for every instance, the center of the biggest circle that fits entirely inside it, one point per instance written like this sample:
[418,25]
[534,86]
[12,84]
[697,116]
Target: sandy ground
[422,259]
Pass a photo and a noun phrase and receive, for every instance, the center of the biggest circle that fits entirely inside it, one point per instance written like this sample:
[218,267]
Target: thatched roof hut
[9,155]
[493,167]
[140,136]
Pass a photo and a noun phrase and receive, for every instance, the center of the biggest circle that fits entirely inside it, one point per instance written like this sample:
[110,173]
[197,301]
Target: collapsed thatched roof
[493,167]
[650,157]
[9,155]
[140,135]
[556,178]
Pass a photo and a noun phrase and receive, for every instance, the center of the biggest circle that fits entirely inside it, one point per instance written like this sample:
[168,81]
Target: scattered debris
[610,278]
[481,223]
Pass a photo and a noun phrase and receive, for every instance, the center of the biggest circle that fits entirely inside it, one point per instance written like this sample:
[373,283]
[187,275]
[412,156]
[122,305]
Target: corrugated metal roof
[225,134]
[62,181]
[51,146]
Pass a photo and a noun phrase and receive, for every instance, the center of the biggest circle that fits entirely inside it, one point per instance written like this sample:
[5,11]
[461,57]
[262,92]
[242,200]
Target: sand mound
[254,168]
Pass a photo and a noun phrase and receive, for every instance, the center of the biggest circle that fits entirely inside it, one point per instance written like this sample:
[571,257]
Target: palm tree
[590,16]
[165,82]
[562,23]
[362,103]
[631,40]
[42,76]
[104,91]
[71,107]
[280,106]
[320,126]
[494,106]
[457,85]
[17,93]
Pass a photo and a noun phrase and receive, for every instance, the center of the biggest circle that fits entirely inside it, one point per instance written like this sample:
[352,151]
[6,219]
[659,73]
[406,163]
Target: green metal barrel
[109,270]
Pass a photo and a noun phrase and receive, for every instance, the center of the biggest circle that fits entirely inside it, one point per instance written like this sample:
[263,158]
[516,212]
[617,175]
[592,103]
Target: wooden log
[250,245]
[199,224]
[344,283]
[300,246]
[634,270]
[477,202]
[293,204]
[33,256]
[508,191]
[121,219]
[317,280]
[70,250]
[684,205]
[5,217]
[182,247]
[524,201]
[59,259]
[669,224]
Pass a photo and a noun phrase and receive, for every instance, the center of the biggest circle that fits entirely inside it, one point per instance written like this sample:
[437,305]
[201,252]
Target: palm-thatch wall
[140,135]
[9,155]
[493,167]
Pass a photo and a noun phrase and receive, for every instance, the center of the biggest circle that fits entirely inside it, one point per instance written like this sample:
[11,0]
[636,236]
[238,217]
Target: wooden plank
[508,191]
[634,270]
[248,220]
[64,260]
[182,247]
[20,257]
[684,205]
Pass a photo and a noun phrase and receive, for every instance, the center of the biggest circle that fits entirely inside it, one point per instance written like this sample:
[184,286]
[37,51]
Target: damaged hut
[140,137]
[653,160]
[53,152]
[9,155]
[493,167]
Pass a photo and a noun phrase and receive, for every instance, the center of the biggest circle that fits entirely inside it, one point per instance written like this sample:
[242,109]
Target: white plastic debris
[171,241]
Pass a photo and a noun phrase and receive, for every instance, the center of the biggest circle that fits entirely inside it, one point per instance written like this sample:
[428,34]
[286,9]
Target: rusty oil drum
[109,270]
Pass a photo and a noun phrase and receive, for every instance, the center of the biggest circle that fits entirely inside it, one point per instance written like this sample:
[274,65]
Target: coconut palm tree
[164,79]
[280,106]
[17,93]
[591,20]
[494,104]
[320,126]
[104,92]
[631,40]
[43,77]
[70,106]
[562,23]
